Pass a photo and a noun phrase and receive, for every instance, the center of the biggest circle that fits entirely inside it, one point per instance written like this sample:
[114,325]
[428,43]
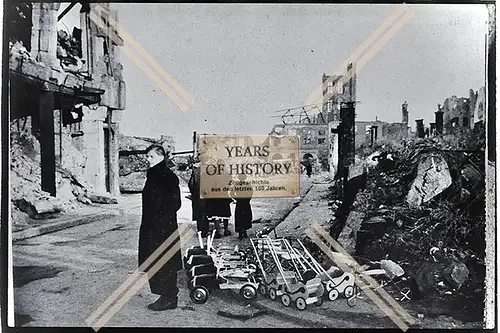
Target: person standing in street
[219,210]
[308,165]
[161,199]
[243,210]
[198,204]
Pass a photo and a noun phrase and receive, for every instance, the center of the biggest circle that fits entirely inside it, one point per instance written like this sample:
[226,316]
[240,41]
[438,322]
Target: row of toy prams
[289,289]
[295,276]
[289,285]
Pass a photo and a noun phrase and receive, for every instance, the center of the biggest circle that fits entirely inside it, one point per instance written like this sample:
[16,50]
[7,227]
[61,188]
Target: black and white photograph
[249,165]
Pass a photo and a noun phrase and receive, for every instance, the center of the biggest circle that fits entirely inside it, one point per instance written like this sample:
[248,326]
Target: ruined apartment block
[67,93]
[463,112]
[456,115]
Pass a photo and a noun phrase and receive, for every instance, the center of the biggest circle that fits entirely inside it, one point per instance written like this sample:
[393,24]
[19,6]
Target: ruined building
[366,133]
[463,112]
[459,114]
[338,89]
[66,98]
[312,123]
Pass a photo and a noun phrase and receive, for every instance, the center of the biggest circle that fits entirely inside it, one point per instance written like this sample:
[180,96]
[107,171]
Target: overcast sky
[242,62]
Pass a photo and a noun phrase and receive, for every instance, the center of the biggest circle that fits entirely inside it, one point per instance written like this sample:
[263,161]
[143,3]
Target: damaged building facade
[463,112]
[313,125]
[456,116]
[368,132]
[66,99]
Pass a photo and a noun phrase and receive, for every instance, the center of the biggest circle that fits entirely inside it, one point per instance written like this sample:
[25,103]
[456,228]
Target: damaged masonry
[67,96]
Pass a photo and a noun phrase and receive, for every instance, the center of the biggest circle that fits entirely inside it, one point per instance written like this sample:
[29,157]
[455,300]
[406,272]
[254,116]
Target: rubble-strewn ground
[449,279]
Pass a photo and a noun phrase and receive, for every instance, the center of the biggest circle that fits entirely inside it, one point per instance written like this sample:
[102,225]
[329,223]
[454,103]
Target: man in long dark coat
[161,200]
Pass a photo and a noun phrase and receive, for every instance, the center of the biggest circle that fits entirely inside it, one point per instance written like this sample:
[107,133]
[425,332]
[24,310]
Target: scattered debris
[190,308]
[375,219]
[39,208]
[391,268]
[433,177]
[456,274]
[101,198]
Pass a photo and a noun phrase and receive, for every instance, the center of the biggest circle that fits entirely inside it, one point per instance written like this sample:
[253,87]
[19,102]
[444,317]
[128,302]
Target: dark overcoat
[218,207]
[161,199]
[243,211]
[198,204]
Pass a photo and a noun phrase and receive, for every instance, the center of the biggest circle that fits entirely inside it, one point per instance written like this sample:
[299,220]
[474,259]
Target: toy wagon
[221,268]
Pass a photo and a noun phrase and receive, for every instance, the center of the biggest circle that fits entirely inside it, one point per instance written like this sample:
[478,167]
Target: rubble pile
[424,209]
[69,50]
[17,51]
[25,180]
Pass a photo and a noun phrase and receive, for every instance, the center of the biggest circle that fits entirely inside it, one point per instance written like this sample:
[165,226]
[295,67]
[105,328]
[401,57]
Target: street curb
[59,225]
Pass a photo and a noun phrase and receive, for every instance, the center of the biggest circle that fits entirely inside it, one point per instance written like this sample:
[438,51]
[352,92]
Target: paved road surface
[61,278]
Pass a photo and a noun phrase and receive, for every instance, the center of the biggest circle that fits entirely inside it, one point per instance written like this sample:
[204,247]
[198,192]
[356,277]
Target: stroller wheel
[286,300]
[301,304]
[199,294]
[272,293]
[248,292]
[333,294]
[349,291]
[262,289]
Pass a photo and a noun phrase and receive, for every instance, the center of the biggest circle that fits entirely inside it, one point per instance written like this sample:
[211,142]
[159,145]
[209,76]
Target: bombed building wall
[132,161]
[479,110]
[460,115]
[313,140]
[457,113]
[25,176]
[65,116]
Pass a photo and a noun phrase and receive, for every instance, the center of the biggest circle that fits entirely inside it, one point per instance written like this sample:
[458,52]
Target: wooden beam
[66,11]
[183,152]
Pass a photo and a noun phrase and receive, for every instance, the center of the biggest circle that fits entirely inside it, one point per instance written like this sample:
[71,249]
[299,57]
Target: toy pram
[208,269]
[342,283]
[289,284]
[392,275]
